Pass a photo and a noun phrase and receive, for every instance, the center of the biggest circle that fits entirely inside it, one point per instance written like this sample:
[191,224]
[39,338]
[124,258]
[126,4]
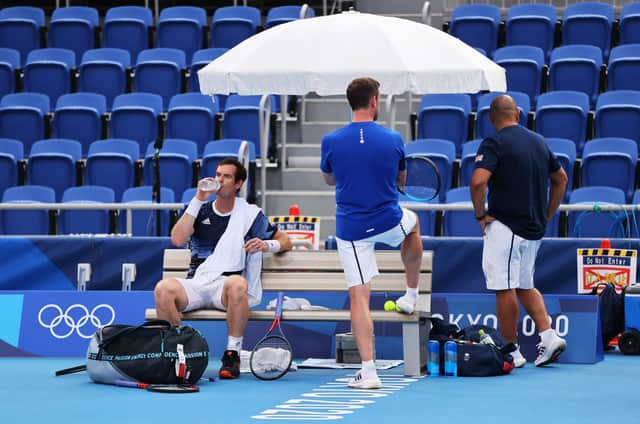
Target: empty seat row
[136,116]
[607,161]
[111,163]
[536,24]
[558,114]
[130,28]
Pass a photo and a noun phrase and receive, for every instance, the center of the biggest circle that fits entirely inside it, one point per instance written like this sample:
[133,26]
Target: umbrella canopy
[324,54]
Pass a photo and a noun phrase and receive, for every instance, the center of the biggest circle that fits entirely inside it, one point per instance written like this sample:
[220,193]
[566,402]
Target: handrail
[264,115]
[245,158]
[390,103]
[467,206]
[426,13]
[304,11]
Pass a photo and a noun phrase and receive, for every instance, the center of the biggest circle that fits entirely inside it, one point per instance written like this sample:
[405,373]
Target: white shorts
[358,257]
[508,260]
[203,293]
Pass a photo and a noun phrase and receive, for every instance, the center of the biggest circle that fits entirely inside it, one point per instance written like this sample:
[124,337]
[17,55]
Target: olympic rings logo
[75,318]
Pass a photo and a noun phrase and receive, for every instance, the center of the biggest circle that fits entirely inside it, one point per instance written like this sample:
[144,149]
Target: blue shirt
[209,227]
[364,158]
[520,162]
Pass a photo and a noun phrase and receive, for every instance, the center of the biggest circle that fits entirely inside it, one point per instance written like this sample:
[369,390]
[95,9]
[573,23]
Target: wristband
[480,218]
[194,207]
[274,246]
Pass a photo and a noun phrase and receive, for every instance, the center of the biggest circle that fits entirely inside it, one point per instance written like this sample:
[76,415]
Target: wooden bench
[321,271]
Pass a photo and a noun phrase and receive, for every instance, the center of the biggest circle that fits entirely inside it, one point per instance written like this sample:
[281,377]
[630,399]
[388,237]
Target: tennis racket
[160,388]
[422,176]
[271,357]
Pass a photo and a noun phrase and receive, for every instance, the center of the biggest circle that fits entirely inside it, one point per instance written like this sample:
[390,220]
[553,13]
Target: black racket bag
[155,353]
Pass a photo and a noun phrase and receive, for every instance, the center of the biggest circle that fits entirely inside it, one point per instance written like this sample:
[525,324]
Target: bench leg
[414,343]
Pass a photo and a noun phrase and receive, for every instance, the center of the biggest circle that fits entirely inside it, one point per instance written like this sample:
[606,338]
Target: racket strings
[271,357]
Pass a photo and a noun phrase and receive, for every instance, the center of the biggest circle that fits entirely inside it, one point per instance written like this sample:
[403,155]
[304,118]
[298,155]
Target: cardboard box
[347,350]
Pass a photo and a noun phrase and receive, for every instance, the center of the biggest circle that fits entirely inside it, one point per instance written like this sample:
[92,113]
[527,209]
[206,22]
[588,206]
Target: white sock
[234,343]
[369,369]
[546,336]
[412,293]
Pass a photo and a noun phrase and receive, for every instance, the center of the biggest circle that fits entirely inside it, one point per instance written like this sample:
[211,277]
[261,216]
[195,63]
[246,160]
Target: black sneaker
[230,365]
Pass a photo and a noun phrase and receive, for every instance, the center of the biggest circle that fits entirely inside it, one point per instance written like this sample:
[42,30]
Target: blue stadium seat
[192,116]
[460,223]
[190,193]
[26,222]
[11,151]
[86,221]
[182,28]
[20,28]
[576,68]
[9,64]
[634,219]
[445,116]
[160,71]
[468,160]
[624,67]
[532,24]
[241,119]
[176,164]
[232,24]
[565,151]
[483,125]
[618,115]
[53,163]
[78,116]
[104,71]
[477,25]
[563,114]
[630,23]
[22,117]
[592,223]
[427,219]
[143,222]
[110,163]
[201,58]
[283,14]
[442,153]
[610,162]
[73,28]
[48,71]
[588,23]
[127,28]
[135,116]
[524,66]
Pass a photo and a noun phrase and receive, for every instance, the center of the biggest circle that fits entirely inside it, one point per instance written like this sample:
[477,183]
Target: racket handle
[133,384]
[279,304]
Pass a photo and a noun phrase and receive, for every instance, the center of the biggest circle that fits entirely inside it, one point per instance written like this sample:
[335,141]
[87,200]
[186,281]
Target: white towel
[296,304]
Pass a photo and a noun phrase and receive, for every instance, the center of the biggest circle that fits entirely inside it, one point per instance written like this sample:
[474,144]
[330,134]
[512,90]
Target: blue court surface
[605,392]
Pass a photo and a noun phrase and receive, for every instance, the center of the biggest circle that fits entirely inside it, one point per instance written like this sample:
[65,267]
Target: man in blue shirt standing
[365,161]
[517,166]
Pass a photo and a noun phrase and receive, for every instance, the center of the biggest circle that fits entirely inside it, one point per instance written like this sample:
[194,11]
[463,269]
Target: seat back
[86,221]
[127,28]
[104,71]
[588,23]
[610,162]
[460,223]
[592,223]
[476,25]
[78,116]
[445,116]
[73,28]
[624,67]
[283,14]
[26,222]
[159,71]
[200,59]
[9,64]
[232,24]
[143,222]
[53,163]
[531,24]
[192,116]
[442,153]
[630,23]
[176,164]
[110,163]
[135,116]
[563,114]
[524,68]
[468,160]
[618,115]
[11,151]
[576,68]
[48,71]
[242,119]
[22,117]
[20,29]
[181,27]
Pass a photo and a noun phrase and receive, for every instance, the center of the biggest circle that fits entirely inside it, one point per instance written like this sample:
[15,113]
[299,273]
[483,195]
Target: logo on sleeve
[206,221]
[479,158]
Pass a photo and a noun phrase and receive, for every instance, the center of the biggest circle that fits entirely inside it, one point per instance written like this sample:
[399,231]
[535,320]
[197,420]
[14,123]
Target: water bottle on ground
[451,358]
[209,185]
[434,358]
[485,338]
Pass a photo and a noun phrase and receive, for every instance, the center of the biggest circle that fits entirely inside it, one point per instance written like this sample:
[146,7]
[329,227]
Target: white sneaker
[359,382]
[405,305]
[550,353]
[519,361]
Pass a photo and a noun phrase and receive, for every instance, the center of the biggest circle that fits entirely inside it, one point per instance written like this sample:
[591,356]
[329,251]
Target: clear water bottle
[451,358]
[209,185]
[433,365]
[485,338]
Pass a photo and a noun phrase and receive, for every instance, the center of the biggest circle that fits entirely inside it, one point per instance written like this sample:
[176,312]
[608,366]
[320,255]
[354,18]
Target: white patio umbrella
[324,54]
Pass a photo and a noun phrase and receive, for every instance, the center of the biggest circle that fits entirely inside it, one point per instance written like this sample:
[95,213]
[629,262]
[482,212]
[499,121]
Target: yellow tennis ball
[389,305]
